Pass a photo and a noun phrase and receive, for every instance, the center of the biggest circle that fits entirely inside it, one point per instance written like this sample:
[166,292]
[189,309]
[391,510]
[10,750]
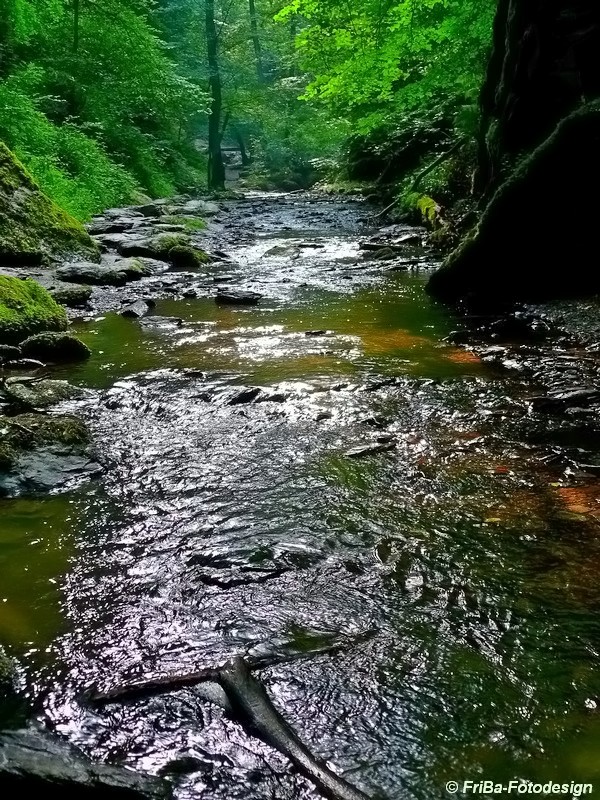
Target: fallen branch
[253,709]
[249,704]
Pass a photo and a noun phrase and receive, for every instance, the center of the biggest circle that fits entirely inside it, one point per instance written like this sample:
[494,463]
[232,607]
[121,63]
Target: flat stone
[109,226]
[237,297]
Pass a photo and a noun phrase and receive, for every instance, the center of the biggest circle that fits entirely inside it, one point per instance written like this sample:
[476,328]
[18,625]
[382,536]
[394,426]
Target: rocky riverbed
[394,508]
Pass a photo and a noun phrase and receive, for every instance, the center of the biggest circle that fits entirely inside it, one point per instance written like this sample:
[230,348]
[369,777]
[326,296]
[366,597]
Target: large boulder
[27,308]
[33,229]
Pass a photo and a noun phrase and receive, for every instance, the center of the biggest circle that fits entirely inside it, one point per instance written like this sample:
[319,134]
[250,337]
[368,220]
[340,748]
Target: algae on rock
[33,229]
[27,308]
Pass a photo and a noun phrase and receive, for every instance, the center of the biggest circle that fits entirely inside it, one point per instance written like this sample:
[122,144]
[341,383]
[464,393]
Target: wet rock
[136,310]
[189,293]
[370,449]
[115,213]
[42,452]
[55,347]
[560,400]
[151,210]
[39,394]
[316,333]
[246,395]
[183,257]
[8,674]
[109,226]
[71,295]
[93,274]
[34,762]
[200,208]
[162,322]
[237,297]
[24,364]
[9,353]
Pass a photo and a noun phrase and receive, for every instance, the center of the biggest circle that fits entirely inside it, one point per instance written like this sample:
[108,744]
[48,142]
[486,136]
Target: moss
[28,431]
[189,223]
[164,243]
[27,308]
[72,296]
[55,347]
[187,257]
[33,229]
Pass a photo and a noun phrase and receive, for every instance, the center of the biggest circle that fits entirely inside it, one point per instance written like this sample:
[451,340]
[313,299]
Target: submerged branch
[249,704]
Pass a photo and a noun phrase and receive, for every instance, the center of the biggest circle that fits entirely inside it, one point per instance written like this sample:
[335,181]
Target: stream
[431,603]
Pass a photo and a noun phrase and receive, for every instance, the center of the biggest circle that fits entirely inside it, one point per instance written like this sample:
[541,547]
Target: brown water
[220,529]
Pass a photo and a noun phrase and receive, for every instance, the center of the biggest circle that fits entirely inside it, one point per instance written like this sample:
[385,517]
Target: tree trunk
[260,70]
[216,168]
[539,158]
[76,11]
[246,160]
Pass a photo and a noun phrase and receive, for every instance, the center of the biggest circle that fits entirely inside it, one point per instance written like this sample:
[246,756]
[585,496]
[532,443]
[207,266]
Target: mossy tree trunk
[545,65]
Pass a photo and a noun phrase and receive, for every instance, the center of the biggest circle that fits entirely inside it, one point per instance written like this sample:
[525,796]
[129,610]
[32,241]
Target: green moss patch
[27,308]
[33,229]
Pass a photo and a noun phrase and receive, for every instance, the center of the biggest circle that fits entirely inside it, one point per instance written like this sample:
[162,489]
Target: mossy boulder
[27,432]
[55,347]
[36,394]
[33,229]
[184,257]
[27,308]
[72,296]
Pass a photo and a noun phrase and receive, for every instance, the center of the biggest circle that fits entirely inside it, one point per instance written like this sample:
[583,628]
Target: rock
[55,347]
[189,293]
[162,322]
[24,364]
[33,229]
[135,310]
[370,449]
[117,274]
[184,257]
[200,208]
[133,268]
[39,764]
[157,247]
[71,295]
[26,308]
[39,394]
[109,226]
[316,333]
[115,213]
[8,674]
[9,353]
[246,395]
[150,210]
[88,273]
[237,297]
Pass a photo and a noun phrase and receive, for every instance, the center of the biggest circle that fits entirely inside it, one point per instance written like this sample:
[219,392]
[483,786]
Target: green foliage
[97,118]
[27,308]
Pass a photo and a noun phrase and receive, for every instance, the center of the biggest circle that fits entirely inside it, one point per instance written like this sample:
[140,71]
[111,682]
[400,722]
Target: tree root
[248,704]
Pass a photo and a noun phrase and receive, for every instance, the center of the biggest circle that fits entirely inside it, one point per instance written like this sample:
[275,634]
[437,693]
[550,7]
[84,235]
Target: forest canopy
[104,101]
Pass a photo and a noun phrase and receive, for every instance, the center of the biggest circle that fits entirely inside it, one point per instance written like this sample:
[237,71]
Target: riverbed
[324,478]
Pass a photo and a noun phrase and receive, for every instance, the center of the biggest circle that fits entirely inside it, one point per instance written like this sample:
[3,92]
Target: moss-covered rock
[74,296]
[27,308]
[38,394]
[8,674]
[55,347]
[33,229]
[185,257]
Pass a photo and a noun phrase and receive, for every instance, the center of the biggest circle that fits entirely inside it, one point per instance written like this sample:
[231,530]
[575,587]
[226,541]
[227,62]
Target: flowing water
[462,593]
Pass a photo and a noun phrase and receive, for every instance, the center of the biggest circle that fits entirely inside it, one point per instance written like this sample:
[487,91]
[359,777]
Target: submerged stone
[237,297]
